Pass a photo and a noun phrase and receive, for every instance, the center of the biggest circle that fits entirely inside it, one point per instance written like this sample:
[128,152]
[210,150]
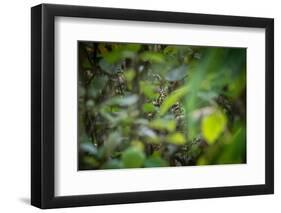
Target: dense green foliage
[160,105]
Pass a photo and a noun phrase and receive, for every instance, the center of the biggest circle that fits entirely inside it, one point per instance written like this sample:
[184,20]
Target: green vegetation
[160,105]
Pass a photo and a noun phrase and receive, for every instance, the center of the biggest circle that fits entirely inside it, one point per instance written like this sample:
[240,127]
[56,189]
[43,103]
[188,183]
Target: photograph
[134,105]
[160,105]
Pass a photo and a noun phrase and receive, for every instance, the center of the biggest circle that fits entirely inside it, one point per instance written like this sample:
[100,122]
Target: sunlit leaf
[137,144]
[163,124]
[129,75]
[176,138]
[213,125]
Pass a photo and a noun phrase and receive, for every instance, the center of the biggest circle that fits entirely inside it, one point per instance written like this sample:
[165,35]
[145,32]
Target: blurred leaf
[237,85]
[81,91]
[177,74]
[90,161]
[123,101]
[89,148]
[153,57]
[171,50]
[97,84]
[132,47]
[155,161]
[172,99]
[109,68]
[127,100]
[84,138]
[149,134]
[207,95]
[213,125]
[137,144]
[235,151]
[146,132]
[121,52]
[129,75]
[86,64]
[163,124]
[141,121]
[133,158]
[176,138]
[148,90]
[148,107]
[90,104]
[113,140]
[112,164]
[102,49]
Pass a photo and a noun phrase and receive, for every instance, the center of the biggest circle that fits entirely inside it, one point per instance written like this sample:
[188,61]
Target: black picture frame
[43,102]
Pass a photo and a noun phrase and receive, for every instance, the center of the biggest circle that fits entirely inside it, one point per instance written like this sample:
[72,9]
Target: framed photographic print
[140,106]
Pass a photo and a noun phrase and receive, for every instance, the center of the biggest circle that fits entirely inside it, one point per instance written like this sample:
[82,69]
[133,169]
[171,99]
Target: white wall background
[15,105]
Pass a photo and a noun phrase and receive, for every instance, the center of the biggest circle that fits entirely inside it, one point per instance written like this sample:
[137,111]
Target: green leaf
[86,64]
[163,124]
[146,132]
[171,50]
[153,57]
[97,84]
[112,164]
[90,161]
[176,138]
[121,52]
[172,99]
[129,75]
[127,100]
[132,47]
[123,101]
[155,161]
[148,107]
[113,140]
[109,68]
[133,158]
[177,74]
[89,148]
[148,90]
[213,125]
